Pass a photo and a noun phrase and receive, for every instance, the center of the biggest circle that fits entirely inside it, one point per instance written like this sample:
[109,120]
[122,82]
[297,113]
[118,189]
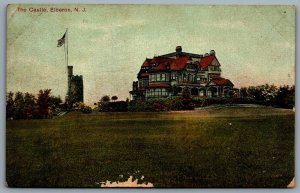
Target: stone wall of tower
[76,89]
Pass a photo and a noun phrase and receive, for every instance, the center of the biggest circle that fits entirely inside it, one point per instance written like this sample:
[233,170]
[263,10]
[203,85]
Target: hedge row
[180,103]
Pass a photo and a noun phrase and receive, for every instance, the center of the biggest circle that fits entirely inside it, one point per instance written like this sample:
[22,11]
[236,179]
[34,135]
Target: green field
[232,147]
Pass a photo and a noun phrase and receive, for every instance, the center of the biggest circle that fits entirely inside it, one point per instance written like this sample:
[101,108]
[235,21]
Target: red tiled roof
[179,63]
[159,85]
[221,81]
[175,64]
[206,61]
[161,63]
[146,62]
[161,66]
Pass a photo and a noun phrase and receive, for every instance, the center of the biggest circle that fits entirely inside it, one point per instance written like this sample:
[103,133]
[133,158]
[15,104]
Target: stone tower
[75,87]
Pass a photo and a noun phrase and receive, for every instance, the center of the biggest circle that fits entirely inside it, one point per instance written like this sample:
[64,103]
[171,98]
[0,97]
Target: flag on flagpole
[61,41]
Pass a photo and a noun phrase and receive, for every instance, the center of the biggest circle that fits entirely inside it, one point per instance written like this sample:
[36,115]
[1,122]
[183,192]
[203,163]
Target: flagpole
[67,61]
[63,41]
[67,47]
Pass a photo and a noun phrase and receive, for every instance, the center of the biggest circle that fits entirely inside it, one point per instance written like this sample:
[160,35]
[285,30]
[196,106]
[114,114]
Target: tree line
[283,96]
[268,95]
[27,106]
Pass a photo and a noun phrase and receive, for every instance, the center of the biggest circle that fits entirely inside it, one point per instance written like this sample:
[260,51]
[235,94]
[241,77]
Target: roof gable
[206,61]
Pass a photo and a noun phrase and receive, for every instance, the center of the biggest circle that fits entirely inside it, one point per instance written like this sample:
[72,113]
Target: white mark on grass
[230,124]
[129,183]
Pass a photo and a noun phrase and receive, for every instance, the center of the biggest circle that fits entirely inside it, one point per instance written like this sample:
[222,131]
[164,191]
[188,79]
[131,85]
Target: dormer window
[168,66]
[153,64]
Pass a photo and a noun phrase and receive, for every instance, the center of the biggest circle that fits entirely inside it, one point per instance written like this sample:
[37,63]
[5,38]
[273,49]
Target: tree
[285,96]
[104,104]
[80,106]
[43,103]
[244,92]
[29,105]
[114,98]
[105,98]
[187,99]
[186,94]
[55,101]
[10,105]
[19,105]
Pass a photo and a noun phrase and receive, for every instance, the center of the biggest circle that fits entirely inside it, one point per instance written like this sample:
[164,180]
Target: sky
[107,44]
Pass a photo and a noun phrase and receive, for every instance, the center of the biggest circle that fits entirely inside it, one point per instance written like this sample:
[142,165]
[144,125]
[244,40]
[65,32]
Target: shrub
[80,106]
[155,105]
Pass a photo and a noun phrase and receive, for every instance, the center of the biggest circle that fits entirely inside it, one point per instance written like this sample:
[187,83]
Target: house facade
[178,72]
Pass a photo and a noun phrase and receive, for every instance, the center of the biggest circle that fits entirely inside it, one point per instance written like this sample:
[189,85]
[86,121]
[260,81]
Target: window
[167,77]
[214,68]
[164,92]
[202,78]
[209,93]
[158,77]
[144,82]
[163,77]
[157,92]
[174,76]
[184,77]
[190,77]
[151,77]
[201,93]
[151,92]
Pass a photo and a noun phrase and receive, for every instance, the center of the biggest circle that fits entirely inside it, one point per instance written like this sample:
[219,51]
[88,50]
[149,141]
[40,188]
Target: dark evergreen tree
[43,103]
[10,105]
[19,105]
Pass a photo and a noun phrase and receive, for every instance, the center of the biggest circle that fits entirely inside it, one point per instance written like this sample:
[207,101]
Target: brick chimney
[178,49]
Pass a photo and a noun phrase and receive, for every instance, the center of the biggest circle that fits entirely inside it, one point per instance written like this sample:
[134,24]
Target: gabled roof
[165,63]
[206,61]
[220,82]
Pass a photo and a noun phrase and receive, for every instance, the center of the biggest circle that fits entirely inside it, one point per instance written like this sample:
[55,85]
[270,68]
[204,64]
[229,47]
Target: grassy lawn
[233,147]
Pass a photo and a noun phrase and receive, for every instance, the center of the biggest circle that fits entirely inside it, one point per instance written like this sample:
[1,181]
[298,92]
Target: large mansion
[177,72]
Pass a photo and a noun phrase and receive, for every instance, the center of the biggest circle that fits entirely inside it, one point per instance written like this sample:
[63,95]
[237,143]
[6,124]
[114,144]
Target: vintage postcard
[151,96]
